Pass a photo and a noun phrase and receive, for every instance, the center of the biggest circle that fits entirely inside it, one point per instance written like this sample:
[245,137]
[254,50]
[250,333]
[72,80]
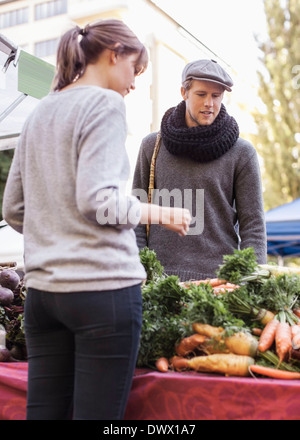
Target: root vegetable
[264,316]
[256,331]
[6,296]
[242,343]
[9,279]
[283,340]
[174,359]
[228,364]
[207,330]
[4,354]
[162,364]
[216,282]
[275,373]
[189,344]
[280,270]
[268,335]
[241,306]
[295,329]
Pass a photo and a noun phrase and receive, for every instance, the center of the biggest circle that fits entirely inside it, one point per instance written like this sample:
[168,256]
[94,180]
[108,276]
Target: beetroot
[9,279]
[4,354]
[6,296]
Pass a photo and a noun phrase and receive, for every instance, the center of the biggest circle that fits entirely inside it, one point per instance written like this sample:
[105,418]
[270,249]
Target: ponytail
[80,47]
[70,59]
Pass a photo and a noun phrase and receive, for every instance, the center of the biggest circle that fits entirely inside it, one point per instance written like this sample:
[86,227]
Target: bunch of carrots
[218,285]
[209,350]
[216,317]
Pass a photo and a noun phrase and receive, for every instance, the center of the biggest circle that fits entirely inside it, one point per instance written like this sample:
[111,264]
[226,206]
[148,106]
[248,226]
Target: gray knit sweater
[219,193]
[65,194]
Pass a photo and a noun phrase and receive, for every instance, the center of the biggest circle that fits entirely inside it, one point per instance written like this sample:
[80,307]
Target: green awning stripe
[34,75]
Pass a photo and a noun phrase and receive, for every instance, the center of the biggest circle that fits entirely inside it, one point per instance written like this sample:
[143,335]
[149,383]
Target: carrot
[212,281]
[267,336]
[162,364]
[223,288]
[274,372]
[207,330]
[180,363]
[232,286]
[220,289]
[295,336]
[283,340]
[256,331]
[296,312]
[216,282]
[189,344]
[228,364]
[174,359]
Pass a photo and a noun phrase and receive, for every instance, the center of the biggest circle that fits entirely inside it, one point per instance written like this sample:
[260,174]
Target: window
[13,18]
[50,9]
[45,48]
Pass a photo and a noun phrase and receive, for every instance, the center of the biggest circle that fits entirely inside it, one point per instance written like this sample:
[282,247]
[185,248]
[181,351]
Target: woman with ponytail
[65,194]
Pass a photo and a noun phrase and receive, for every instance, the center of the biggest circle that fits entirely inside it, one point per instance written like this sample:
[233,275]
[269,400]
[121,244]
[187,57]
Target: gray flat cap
[207,70]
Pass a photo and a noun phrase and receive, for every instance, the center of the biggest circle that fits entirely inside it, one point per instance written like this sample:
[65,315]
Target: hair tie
[83,32]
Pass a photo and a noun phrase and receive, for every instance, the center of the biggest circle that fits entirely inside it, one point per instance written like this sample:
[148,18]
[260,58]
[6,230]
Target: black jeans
[82,349]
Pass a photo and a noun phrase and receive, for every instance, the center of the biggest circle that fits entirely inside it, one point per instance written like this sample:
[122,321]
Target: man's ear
[183,93]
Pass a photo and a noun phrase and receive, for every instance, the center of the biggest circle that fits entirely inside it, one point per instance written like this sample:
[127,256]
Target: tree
[278,125]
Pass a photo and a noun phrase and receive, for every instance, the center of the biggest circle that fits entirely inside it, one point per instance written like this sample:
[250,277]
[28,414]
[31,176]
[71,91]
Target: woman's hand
[174,219]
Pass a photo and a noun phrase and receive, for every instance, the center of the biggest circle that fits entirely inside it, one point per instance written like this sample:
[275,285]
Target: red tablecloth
[178,396]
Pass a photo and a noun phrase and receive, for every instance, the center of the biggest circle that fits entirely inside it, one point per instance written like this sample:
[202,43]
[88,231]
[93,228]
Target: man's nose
[209,101]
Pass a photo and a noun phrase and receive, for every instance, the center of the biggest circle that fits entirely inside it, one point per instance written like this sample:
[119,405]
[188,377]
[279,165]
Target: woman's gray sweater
[65,193]
[225,199]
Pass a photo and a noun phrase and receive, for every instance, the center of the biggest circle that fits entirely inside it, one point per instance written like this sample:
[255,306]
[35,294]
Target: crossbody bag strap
[152,172]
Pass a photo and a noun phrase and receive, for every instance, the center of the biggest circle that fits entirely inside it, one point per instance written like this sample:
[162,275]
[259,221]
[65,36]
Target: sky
[227,27]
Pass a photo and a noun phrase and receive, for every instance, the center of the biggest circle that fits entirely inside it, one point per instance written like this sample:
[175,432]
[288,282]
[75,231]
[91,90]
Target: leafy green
[162,321]
[152,265]
[237,265]
[281,291]
[206,307]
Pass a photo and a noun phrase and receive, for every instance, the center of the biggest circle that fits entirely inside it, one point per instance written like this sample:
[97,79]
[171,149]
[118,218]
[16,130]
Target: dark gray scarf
[203,143]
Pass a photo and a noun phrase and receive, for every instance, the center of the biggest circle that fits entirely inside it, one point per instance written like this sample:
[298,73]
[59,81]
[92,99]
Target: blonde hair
[80,47]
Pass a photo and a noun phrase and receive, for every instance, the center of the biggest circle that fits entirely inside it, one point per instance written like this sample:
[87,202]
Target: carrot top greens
[238,265]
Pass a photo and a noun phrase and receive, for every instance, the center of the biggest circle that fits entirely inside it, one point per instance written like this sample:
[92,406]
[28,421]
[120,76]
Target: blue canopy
[283,230]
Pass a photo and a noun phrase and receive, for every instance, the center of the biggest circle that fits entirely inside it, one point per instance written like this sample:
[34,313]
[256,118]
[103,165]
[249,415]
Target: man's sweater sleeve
[250,209]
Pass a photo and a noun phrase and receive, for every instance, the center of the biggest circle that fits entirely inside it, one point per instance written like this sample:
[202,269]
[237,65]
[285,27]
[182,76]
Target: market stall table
[177,396]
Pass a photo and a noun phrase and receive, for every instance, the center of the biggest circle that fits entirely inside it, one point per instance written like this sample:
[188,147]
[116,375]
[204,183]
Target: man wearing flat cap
[198,160]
